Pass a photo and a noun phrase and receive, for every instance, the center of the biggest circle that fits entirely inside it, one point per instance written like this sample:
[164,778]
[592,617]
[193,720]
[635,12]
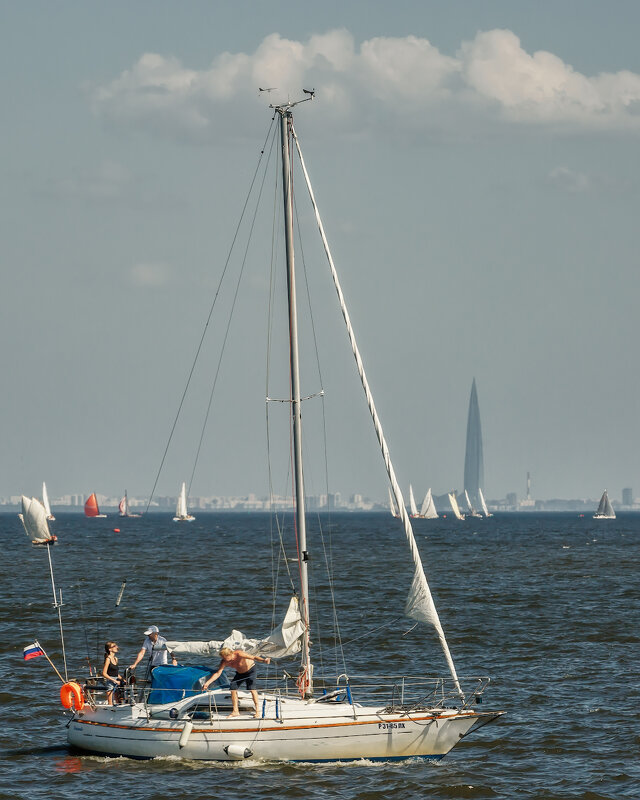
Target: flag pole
[50,661]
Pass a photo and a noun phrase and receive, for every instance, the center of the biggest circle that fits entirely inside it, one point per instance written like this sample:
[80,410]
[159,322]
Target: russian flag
[32,651]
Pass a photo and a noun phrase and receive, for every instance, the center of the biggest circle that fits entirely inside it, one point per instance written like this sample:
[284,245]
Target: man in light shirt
[153,649]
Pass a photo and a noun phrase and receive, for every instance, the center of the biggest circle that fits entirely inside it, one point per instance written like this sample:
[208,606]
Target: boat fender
[237,751]
[186,733]
[71,696]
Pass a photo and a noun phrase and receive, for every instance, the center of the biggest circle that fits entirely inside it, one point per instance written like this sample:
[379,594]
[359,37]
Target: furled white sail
[34,520]
[420,603]
[45,502]
[413,508]
[454,506]
[284,641]
[485,510]
[428,509]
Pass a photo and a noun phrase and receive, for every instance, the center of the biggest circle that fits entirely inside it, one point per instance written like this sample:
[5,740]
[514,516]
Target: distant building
[627,497]
[473,461]
[528,503]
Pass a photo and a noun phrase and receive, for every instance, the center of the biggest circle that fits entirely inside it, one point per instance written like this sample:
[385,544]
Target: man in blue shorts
[245,667]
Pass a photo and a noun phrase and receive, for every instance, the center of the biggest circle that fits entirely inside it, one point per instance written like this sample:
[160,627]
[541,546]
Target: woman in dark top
[110,671]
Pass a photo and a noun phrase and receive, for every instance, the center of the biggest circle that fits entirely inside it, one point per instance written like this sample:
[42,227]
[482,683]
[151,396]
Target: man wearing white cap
[153,649]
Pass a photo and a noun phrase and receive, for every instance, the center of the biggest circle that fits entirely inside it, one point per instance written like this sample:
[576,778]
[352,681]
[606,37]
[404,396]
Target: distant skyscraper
[473,462]
[627,497]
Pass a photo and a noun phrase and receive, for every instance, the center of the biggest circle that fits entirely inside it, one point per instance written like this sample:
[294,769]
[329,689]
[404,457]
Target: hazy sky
[476,164]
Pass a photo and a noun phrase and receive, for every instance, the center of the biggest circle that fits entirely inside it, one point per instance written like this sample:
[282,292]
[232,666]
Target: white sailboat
[472,511]
[483,504]
[34,521]
[182,515]
[45,503]
[367,718]
[124,508]
[392,505]
[428,508]
[605,509]
[413,508]
[454,506]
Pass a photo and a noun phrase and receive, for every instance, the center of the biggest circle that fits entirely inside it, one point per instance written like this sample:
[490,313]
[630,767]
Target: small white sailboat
[483,504]
[413,508]
[123,507]
[45,503]
[428,508]
[370,717]
[392,505]
[605,509]
[182,515]
[471,510]
[34,521]
[454,506]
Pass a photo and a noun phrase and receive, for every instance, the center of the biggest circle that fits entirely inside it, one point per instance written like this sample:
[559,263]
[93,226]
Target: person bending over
[245,667]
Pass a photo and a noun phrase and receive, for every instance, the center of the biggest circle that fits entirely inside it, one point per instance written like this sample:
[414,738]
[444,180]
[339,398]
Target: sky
[476,167]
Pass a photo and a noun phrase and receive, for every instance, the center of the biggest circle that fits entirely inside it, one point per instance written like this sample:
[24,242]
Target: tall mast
[286,121]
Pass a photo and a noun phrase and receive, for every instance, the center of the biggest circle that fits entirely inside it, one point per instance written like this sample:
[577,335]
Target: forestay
[420,603]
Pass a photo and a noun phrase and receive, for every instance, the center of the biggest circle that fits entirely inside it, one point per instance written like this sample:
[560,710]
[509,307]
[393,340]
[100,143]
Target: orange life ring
[71,696]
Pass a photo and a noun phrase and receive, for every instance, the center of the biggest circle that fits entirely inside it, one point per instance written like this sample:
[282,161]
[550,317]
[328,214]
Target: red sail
[91,507]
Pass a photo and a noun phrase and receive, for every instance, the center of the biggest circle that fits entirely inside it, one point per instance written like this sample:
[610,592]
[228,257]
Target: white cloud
[569,180]
[490,78]
[149,274]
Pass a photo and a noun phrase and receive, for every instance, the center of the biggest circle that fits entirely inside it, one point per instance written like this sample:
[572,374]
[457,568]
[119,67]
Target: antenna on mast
[311,93]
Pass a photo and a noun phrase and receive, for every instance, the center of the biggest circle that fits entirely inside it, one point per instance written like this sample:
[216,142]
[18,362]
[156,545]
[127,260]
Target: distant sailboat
[182,515]
[392,505]
[45,502]
[34,520]
[454,506]
[470,508]
[413,508]
[428,509]
[605,509]
[91,507]
[485,510]
[123,507]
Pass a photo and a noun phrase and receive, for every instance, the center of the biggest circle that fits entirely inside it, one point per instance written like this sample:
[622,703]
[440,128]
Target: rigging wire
[233,305]
[213,304]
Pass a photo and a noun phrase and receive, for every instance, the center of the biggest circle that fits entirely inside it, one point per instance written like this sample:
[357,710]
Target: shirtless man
[245,667]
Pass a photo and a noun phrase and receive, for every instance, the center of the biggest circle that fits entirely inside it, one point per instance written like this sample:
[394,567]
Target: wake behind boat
[307,717]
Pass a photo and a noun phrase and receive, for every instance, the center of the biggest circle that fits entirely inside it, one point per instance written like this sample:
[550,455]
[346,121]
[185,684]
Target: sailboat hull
[311,736]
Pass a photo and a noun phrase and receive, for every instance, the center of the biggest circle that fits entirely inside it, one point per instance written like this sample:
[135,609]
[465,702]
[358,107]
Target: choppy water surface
[547,605]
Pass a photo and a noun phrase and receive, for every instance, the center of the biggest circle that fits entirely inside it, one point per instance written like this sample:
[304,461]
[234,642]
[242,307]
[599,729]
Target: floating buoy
[116,530]
[71,696]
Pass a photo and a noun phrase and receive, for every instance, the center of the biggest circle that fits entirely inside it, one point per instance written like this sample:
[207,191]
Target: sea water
[547,605]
